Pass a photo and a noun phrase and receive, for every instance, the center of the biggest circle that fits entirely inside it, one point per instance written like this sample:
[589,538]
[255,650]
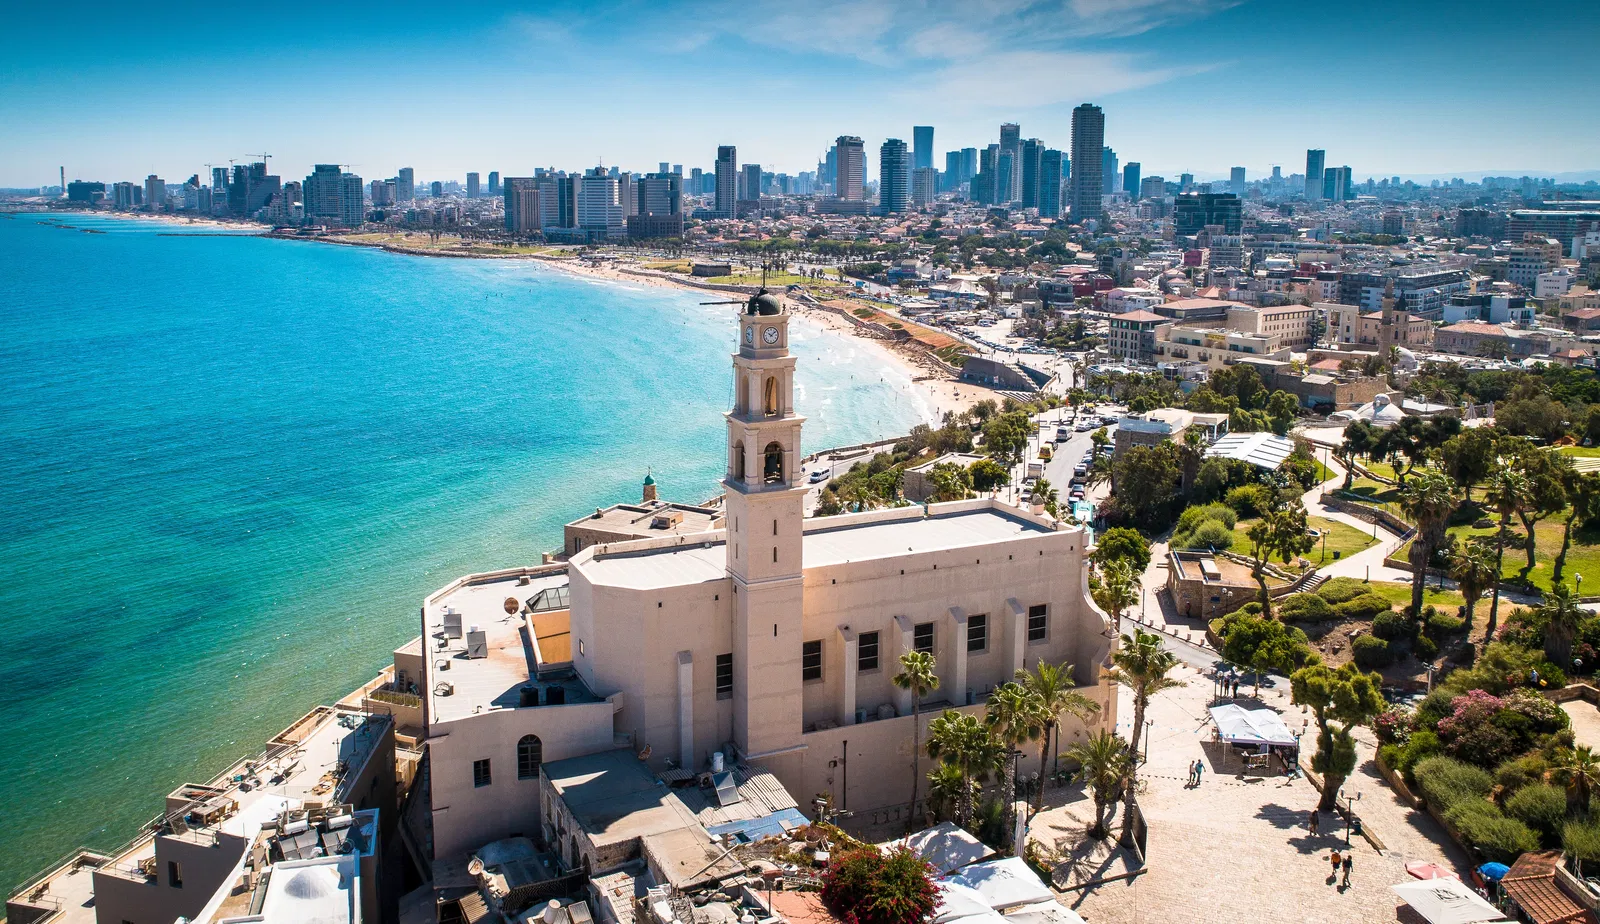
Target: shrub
[870,887]
[1541,807]
[1366,606]
[1388,625]
[1391,726]
[1440,624]
[1425,648]
[1418,748]
[1497,837]
[1211,535]
[1305,608]
[1545,716]
[1434,706]
[1445,782]
[1518,772]
[1191,518]
[1251,500]
[1370,653]
[1341,589]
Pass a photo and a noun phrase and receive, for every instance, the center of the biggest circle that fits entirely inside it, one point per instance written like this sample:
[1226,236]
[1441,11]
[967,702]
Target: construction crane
[263,160]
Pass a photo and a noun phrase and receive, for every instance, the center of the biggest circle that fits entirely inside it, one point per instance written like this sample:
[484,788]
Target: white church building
[772,641]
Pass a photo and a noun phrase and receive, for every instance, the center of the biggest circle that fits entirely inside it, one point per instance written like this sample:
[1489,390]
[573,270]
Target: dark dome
[763,303]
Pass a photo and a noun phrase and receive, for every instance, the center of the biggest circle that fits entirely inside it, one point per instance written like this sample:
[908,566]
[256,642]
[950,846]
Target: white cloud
[1026,79]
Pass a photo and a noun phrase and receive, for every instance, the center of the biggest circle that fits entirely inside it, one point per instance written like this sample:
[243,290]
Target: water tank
[555,695]
[716,761]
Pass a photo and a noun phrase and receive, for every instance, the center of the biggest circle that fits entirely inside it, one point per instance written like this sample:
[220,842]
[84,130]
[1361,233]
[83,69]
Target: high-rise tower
[921,146]
[727,188]
[764,512]
[1088,158]
[1315,158]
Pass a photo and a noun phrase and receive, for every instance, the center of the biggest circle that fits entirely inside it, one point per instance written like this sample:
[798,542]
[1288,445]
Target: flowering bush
[1545,715]
[865,886]
[1482,731]
[1392,726]
[1474,708]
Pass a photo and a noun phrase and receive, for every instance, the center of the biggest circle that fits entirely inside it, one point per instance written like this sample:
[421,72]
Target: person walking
[1335,859]
[1199,767]
[1349,861]
[1314,823]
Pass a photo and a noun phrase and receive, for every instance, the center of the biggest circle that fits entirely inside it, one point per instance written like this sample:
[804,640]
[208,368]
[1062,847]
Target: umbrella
[1493,871]
[1421,870]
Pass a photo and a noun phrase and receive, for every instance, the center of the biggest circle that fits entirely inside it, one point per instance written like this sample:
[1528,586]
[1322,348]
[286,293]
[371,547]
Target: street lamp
[1148,725]
[1349,815]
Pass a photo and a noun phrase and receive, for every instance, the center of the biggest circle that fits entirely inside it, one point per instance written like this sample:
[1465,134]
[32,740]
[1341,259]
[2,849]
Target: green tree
[1099,439]
[1143,666]
[1005,438]
[917,674]
[1115,589]
[1472,565]
[1014,716]
[1281,409]
[1508,491]
[1104,764]
[1119,543]
[1562,617]
[1280,533]
[950,482]
[963,742]
[1053,685]
[1145,481]
[1548,474]
[1359,439]
[1578,769]
[1264,644]
[1044,494]
[1191,452]
[1346,696]
[988,475]
[948,791]
[1429,500]
[1583,494]
[1469,457]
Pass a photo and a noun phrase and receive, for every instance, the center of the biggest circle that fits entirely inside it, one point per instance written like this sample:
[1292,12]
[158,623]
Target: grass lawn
[754,279]
[1375,491]
[1582,452]
[1400,594]
[1583,558]
[1382,469]
[1342,538]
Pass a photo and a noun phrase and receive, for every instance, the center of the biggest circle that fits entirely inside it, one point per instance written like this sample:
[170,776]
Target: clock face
[770,335]
[749,335]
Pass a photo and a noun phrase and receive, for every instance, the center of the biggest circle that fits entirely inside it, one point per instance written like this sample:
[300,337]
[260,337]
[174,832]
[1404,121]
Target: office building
[436,189]
[1088,150]
[1153,187]
[1032,152]
[1315,159]
[851,167]
[1050,175]
[969,164]
[750,182]
[494,183]
[1236,182]
[1108,171]
[382,193]
[599,208]
[85,191]
[472,186]
[521,197]
[1195,211]
[660,207]
[1011,143]
[1336,185]
[922,146]
[762,669]
[924,186]
[155,193]
[126,196]
[405,186]
[893,177]
[1130,179]
[1005,178]
[333,197]
[727,188]
[1185,182]
[951,180]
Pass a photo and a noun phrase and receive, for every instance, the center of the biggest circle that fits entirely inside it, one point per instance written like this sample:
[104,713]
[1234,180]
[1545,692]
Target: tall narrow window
[1038,622]
[771,397]
[867,651]
[480,772]
[922,637]
[530,754]
[811,660]
[978,632]
[724,676]
[772,463]
[174,874]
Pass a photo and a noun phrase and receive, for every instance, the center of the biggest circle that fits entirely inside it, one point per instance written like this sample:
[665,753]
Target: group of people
[1341,863]
[1195,769]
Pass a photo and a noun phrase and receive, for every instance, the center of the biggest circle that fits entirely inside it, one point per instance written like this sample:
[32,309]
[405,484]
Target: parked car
[820,474]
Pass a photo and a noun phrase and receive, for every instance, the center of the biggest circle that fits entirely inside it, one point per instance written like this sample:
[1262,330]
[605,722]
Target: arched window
[770,397]
[530,754]
[772,469]
[736,464]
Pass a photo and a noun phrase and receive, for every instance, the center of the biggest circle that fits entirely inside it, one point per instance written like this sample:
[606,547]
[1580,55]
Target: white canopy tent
[945,845]
[1050,912]
[1251,727]
[1007,883]
[1447,901]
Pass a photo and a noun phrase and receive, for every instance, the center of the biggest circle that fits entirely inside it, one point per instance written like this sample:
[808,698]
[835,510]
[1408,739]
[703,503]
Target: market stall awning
[1251,727]
[945,845]
[1447,901]
[1004,884]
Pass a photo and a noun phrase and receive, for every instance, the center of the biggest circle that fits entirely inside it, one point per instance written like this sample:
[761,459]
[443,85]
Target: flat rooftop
[824,545]
[614,797]
[494,681]
[641,519]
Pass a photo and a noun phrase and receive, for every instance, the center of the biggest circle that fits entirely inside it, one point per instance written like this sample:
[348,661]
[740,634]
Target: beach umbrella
[1421,870]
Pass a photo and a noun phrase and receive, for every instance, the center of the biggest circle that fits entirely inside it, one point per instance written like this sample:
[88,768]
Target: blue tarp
[1493,871]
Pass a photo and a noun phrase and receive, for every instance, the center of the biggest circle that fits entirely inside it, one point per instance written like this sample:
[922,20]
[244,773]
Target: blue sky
[1411,88]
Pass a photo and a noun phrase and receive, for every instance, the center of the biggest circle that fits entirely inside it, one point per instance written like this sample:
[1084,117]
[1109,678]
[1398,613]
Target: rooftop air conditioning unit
[477,643]
[452,622]
[442,665]
[444,689]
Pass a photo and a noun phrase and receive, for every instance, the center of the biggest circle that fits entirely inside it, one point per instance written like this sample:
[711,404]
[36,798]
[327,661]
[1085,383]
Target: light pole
[1148,725]
[1349,814]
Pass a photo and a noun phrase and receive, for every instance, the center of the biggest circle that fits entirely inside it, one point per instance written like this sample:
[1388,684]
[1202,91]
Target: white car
[820,474]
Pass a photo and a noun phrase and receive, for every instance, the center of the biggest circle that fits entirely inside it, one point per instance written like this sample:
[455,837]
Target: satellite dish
[512,606]
[475,866]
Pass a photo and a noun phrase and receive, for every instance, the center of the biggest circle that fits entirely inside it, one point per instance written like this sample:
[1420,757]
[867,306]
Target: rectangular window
[174,874]
[724,676]
[922,637]
[978,632]
[867,651]
[1038,622]
[811,660]
[480,772]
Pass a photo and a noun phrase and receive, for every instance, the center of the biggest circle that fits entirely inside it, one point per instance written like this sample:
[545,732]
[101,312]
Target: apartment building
[1131,335]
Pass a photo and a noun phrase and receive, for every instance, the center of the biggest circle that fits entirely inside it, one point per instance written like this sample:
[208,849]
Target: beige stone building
[1290,325]
[771,641]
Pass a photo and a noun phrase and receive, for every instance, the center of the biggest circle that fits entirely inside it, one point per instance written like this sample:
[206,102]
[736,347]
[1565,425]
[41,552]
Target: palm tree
[1562,617]
[1099,472]
[917,675]
[1116,590]
[1508,492]
[1054,686]
[1583,493]
[1014,716]
[1044,494]
[948,791]
[1473,569]
[1191,449]
[1141,665]
[1103,767]
[1429,500]
[962,741]
[1578,769]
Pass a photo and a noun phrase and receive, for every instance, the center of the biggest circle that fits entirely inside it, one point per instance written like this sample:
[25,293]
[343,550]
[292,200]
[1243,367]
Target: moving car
[820,474]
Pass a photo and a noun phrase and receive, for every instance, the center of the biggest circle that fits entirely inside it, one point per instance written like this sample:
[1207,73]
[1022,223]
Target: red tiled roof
[1584,314]
[1139,316]
[1531,883]
[1473,327]
[1326,365]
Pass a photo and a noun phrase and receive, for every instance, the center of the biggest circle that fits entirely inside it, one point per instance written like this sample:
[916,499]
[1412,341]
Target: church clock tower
[764,501]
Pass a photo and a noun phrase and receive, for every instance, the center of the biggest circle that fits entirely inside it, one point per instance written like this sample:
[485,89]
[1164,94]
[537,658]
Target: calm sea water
[234,466]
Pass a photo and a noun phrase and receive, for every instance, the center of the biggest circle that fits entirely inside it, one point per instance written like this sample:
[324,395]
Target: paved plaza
[1236,849]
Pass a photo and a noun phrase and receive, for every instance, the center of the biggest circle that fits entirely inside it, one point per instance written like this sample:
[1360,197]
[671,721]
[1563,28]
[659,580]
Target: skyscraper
[472,186]
[1108,171]
[952,171]
[924,186]
[1236,182]
[969,163]
[155,193]
[1336,184]
[1011,143]
[1032,150]
[1088,150]
[893,177]
[1315,158]
[494,182]
[852,167]
[1050,172]
[333,196]
[406,185]
[1005,177]
[522,204]
[750,182]
[727,180]
[1130,179]
[599,211]
[922,146]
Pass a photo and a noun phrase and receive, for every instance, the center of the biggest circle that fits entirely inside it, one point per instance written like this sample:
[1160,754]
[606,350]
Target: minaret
[764,503]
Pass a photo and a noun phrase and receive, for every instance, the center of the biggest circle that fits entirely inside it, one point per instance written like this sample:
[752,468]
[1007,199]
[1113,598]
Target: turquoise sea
[233,467]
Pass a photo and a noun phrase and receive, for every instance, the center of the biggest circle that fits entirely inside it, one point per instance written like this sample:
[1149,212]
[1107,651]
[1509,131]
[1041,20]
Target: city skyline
[375,97]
